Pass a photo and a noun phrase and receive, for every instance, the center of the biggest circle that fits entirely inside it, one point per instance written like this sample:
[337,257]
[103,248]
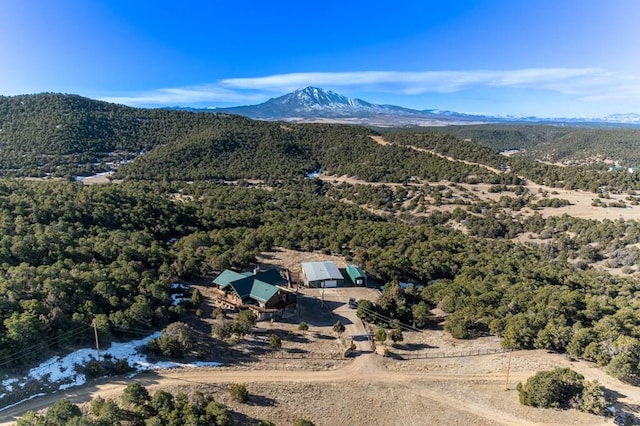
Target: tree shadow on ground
[324,337]
[261,401]
[243,419]
[394,355]
[287,335]
[361,337]
[413,346]
[296,338]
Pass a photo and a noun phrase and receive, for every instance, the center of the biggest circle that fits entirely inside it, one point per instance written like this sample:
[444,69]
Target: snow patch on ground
[8,384]
[61,372]
[315,174]
[177,299]
[180,286]
[177,296]
[97,175]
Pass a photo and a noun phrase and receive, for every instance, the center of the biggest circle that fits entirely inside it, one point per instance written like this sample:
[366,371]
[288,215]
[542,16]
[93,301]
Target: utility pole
[506,384]
[95,333]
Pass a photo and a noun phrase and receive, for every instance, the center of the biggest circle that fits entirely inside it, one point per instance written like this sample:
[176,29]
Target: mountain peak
[311,96]
[312,103]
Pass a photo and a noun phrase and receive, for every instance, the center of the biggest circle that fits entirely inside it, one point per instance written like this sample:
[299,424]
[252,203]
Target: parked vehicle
[624,419]
[352,303]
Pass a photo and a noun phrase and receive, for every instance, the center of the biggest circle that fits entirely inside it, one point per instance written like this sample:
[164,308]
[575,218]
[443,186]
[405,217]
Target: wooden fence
[300,355]
[441,354]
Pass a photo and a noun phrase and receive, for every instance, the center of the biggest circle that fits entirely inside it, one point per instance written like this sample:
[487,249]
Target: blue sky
[559,58]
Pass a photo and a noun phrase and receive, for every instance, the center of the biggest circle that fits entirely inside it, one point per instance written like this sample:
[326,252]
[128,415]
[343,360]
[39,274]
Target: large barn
[322,274]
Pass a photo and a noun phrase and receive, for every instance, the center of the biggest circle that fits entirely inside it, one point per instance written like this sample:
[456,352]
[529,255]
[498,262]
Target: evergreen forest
[213,191]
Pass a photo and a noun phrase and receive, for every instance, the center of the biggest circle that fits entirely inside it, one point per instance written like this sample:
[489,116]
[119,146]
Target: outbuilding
[357,275]
[322,274]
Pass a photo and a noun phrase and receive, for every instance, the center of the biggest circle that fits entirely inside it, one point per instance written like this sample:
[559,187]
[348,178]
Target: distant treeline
[556,143]
[68,135]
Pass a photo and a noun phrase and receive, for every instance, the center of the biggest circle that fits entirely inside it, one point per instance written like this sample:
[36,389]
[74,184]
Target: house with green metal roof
[264,292]
[228,276]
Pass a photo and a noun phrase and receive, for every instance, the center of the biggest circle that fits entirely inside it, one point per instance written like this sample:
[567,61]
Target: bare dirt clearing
[580,207]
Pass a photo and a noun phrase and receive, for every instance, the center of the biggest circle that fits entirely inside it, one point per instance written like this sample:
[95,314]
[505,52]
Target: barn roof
[321,271]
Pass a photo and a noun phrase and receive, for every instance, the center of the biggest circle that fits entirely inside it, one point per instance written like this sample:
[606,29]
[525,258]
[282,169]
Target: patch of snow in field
[180,286]
[8,384]
[61,371]
[78,380]
[178,298]
[81,178]
[171,364]
[315,174]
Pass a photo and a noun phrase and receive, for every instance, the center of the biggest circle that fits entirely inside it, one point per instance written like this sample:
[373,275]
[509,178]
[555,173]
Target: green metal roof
[242,287]
[354,272]
[227,277]
[271,276]
[260,286]
[262,291]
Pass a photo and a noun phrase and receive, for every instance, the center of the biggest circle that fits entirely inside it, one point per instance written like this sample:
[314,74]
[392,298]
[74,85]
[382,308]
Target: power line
[381,317]
[33,349]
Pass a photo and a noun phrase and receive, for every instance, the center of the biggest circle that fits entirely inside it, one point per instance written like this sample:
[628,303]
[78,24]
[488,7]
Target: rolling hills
[67,135]
[407,204]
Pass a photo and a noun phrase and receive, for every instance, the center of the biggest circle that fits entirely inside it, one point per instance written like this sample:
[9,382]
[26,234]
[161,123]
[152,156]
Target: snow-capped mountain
[315,104]
[629,118]
[312,104]
[315,98]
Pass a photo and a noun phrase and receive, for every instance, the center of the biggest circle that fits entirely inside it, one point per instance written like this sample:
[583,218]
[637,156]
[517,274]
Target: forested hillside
[72,254]
[571,144]
[264,150]
[66,135]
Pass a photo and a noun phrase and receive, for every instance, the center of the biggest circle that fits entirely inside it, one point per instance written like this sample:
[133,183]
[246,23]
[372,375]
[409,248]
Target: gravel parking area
[335,302]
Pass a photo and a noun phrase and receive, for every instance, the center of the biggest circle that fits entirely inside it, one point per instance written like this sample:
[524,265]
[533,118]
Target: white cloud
[564,80]
[583,84]
[185,96]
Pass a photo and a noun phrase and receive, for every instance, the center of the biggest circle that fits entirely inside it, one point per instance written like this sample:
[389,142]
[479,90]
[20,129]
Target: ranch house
[263,292]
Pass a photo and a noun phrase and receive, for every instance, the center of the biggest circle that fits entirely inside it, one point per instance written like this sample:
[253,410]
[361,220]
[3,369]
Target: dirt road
[380,140]
[371,388]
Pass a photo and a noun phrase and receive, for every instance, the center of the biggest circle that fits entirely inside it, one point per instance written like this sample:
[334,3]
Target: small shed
[322,274]
[357,275]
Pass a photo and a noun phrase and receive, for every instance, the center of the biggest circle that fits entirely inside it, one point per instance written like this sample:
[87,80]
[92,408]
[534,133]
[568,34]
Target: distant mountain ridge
[631,118]
[313,104]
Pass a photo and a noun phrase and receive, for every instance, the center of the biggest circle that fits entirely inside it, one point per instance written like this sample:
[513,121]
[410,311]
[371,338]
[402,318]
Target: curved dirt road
[449,392]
